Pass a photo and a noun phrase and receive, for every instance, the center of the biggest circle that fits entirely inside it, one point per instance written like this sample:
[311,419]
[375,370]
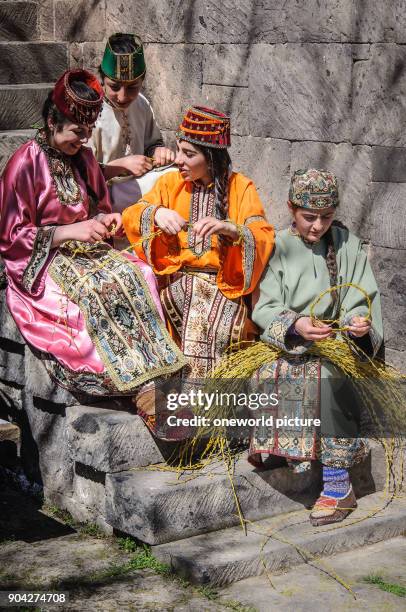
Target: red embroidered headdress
[70,104]
[205,126]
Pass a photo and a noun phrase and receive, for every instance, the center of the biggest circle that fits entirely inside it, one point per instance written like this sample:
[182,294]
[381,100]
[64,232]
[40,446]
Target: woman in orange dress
[213,245]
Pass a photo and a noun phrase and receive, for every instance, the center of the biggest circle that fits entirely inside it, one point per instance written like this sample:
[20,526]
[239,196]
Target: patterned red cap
[70,104]
[205,126]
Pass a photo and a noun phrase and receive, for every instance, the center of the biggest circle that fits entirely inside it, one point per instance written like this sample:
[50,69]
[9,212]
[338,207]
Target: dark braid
[219,163]
[331,259]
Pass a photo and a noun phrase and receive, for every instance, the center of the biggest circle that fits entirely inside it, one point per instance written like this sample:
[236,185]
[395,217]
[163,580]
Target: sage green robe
[296,275]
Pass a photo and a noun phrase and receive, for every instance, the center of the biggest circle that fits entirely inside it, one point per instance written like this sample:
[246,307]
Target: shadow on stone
[21,518]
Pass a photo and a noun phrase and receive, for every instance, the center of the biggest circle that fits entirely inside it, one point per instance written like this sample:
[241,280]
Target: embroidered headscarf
[71,104]
[205,126]
[313,189]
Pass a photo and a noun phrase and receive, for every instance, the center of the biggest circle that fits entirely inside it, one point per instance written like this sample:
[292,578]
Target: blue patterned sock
[336,482]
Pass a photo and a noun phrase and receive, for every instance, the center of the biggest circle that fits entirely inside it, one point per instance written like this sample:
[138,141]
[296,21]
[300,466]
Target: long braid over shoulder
[331,258]
[219,163]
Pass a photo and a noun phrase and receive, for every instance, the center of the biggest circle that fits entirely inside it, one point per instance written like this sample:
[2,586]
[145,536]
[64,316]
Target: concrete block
[110,440]
[79,511]
[200,21]
[92,55]
[300,92]
[389,266]
[351,165]
[233,101]
[11,399]
[38,383]
[158,507]
[8,328]
[277,544]
[12,362]
[154,21]
[221,21]
[78,20]
[378,22]
[383,225]
[46,428]
[46,19]
[303,21]
[245,21]
[32,62]
[267,162]
[360,52]
[166,86]
[91,496]
[10,141]
[226,64]
[76,55]
[379,87]
[388,164]
[21,105]
[169,138]
[18,21]
[396,358]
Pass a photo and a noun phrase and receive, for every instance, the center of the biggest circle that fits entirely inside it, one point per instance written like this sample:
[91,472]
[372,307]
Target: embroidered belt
[188,269]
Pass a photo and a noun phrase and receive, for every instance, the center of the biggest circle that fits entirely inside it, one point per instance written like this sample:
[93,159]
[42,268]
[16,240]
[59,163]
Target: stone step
[12,346]
[38,62]
[21,105]
[277,544]
[9,432]
[110,440]
[158,506]
[10,141]
[102,439]
[19,20]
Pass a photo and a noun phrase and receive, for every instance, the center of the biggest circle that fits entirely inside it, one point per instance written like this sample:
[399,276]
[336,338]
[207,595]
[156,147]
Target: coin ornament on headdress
[205,126]
[70,104]
[313,189]
[123,66]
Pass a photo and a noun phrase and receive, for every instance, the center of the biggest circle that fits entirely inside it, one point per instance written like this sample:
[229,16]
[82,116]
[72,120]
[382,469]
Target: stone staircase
[30,64]
[101,463]
[277,544]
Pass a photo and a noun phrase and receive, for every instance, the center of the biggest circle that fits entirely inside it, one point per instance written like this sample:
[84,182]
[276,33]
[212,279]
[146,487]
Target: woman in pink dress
[92,314]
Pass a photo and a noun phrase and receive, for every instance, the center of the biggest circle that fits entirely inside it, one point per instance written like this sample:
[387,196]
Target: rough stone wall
[306,82]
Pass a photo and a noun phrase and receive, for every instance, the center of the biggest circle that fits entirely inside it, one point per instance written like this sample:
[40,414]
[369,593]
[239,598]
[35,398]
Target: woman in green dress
[316,254]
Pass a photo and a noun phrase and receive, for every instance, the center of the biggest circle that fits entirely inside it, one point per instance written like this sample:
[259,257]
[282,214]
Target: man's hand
[169,220]
[359,326]
[308,331]
[137,165]
[210,225]
[163,156]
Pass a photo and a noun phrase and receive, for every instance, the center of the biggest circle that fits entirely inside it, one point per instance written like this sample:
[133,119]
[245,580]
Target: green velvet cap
[123,66]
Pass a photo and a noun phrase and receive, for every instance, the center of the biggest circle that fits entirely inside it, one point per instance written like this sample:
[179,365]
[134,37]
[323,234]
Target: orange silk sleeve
[243,264]
[139,223]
